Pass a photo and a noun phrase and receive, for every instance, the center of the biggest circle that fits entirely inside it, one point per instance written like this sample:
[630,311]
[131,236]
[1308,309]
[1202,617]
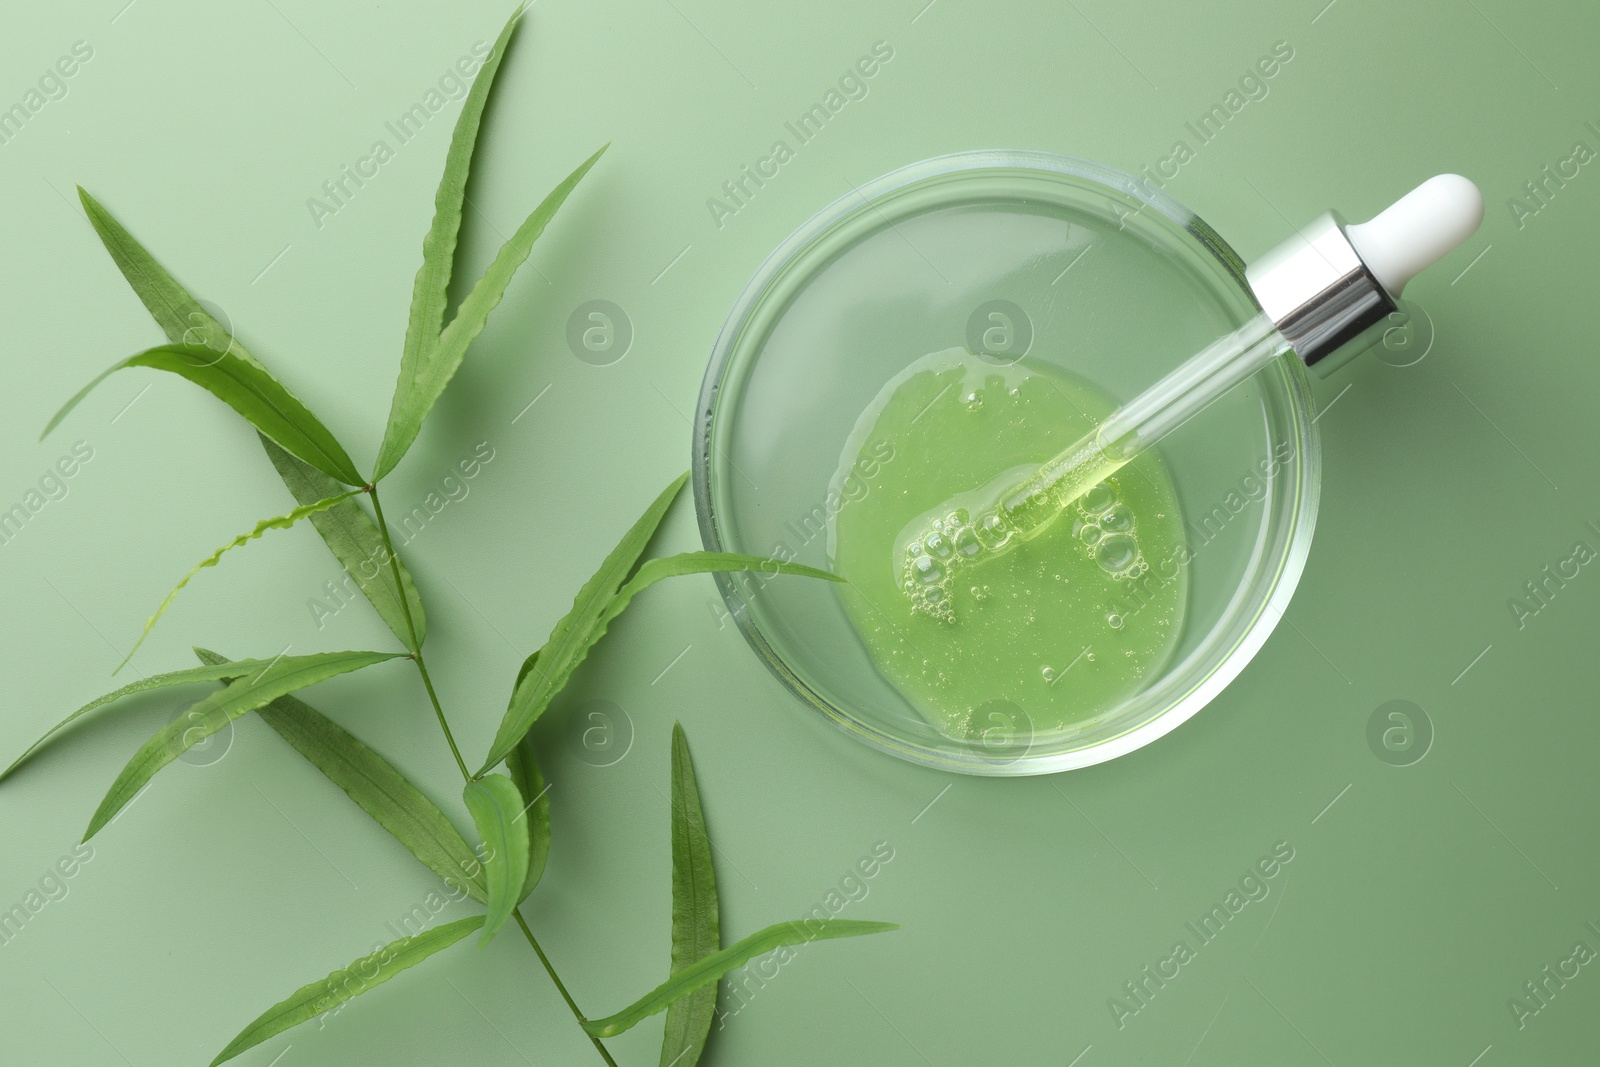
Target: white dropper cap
[1418,230]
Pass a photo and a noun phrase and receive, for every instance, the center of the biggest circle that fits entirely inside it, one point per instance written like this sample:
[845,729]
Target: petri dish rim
[1277,558]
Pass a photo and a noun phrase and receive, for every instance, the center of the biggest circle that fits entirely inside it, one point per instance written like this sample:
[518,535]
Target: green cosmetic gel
[1044,635]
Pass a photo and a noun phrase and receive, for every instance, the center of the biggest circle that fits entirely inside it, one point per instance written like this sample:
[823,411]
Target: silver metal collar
[1320,294]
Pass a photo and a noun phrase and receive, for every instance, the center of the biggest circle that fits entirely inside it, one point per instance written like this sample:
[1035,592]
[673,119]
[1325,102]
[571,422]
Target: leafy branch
[510,811]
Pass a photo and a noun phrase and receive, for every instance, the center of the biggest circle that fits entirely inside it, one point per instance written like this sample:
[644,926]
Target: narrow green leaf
[280,677]
[535,818]
[414,396]
[354,540]
[279,522]
[586,607]
[528,664]
[375,785]
[524,770]
[381,791]
[496,808]
[654,570]
[430,293]
[561,655]
[246,387]
[155,681]
[180,315]
[184,321]
[718,964]
[696,932]
[320,997]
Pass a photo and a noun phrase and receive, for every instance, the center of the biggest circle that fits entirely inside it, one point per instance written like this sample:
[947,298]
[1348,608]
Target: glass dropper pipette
[1323,294]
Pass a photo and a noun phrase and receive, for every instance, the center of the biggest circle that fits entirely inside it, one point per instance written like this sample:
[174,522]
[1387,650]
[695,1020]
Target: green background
[1416,905]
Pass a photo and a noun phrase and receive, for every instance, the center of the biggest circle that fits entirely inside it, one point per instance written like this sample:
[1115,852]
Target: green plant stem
[444,724]
[526,932]
[422,668]
[411,628]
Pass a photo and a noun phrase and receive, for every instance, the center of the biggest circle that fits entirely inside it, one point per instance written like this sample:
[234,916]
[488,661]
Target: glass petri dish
[1031,259]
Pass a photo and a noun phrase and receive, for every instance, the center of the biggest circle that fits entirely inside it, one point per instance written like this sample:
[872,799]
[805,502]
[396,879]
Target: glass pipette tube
[1140,423]
[985,528]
